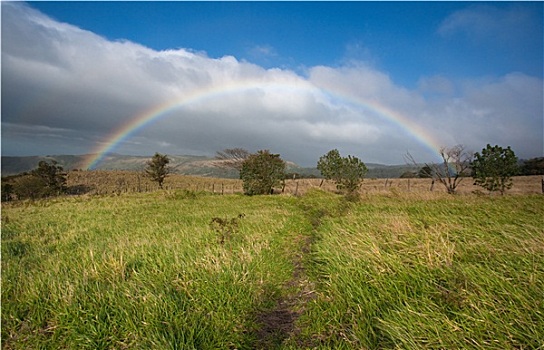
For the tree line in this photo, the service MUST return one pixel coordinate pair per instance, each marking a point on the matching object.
(263, 171)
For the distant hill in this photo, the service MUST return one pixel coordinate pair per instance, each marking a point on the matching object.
(180, 164)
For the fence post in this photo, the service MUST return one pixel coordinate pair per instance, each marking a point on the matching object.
(432, 185)
(542, 184)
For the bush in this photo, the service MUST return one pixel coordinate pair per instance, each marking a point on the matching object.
(47, 180)
(347, 172)
(52, 178)
(494, 167)
(7, 192)
(28, 187)
(533, 166)
(261, 172)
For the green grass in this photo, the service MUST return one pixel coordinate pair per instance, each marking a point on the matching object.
(141, 271)
(444, 273)
(391, 271)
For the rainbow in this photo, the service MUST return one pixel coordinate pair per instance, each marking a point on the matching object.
(149, 116)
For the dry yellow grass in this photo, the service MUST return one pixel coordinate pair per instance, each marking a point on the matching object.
(522, 185)
(109, 182)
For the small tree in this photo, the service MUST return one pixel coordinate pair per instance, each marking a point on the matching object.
(347, 172)
(157, 168)
(50, 177)
(494, 167)
(330, 166)
(261, 172)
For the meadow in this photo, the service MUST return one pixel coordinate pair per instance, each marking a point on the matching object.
(189, 269)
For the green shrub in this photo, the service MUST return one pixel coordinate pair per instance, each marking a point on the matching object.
(261, 172)
(347, 172)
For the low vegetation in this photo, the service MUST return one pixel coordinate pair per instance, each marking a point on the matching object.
(183, 269)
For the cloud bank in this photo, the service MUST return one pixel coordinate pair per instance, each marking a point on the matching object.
(68, 91)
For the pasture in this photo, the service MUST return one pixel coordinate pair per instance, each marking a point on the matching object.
(398, 269)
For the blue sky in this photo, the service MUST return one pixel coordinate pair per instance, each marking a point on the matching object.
(466, 72)
(405, 39)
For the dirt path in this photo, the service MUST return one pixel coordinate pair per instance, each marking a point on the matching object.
(279, 323)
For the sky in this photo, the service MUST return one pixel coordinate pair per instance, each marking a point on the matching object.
(373, 79)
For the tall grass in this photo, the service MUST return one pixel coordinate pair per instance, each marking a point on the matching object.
(395, 270)
(141, 271)
(417, 272)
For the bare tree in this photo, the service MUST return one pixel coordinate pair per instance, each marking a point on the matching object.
(455, 165)
(452, 169)
(231, 158)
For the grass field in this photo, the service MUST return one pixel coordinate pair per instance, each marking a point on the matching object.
(152, 271)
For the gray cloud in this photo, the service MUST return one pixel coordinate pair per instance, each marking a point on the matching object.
(66, 90)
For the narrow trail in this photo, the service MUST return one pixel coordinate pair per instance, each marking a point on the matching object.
(279, 323)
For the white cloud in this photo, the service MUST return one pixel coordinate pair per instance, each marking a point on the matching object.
(68, 90)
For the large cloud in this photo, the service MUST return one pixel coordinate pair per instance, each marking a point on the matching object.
(66, 90)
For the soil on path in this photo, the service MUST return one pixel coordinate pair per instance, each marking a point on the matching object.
(279, 323)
